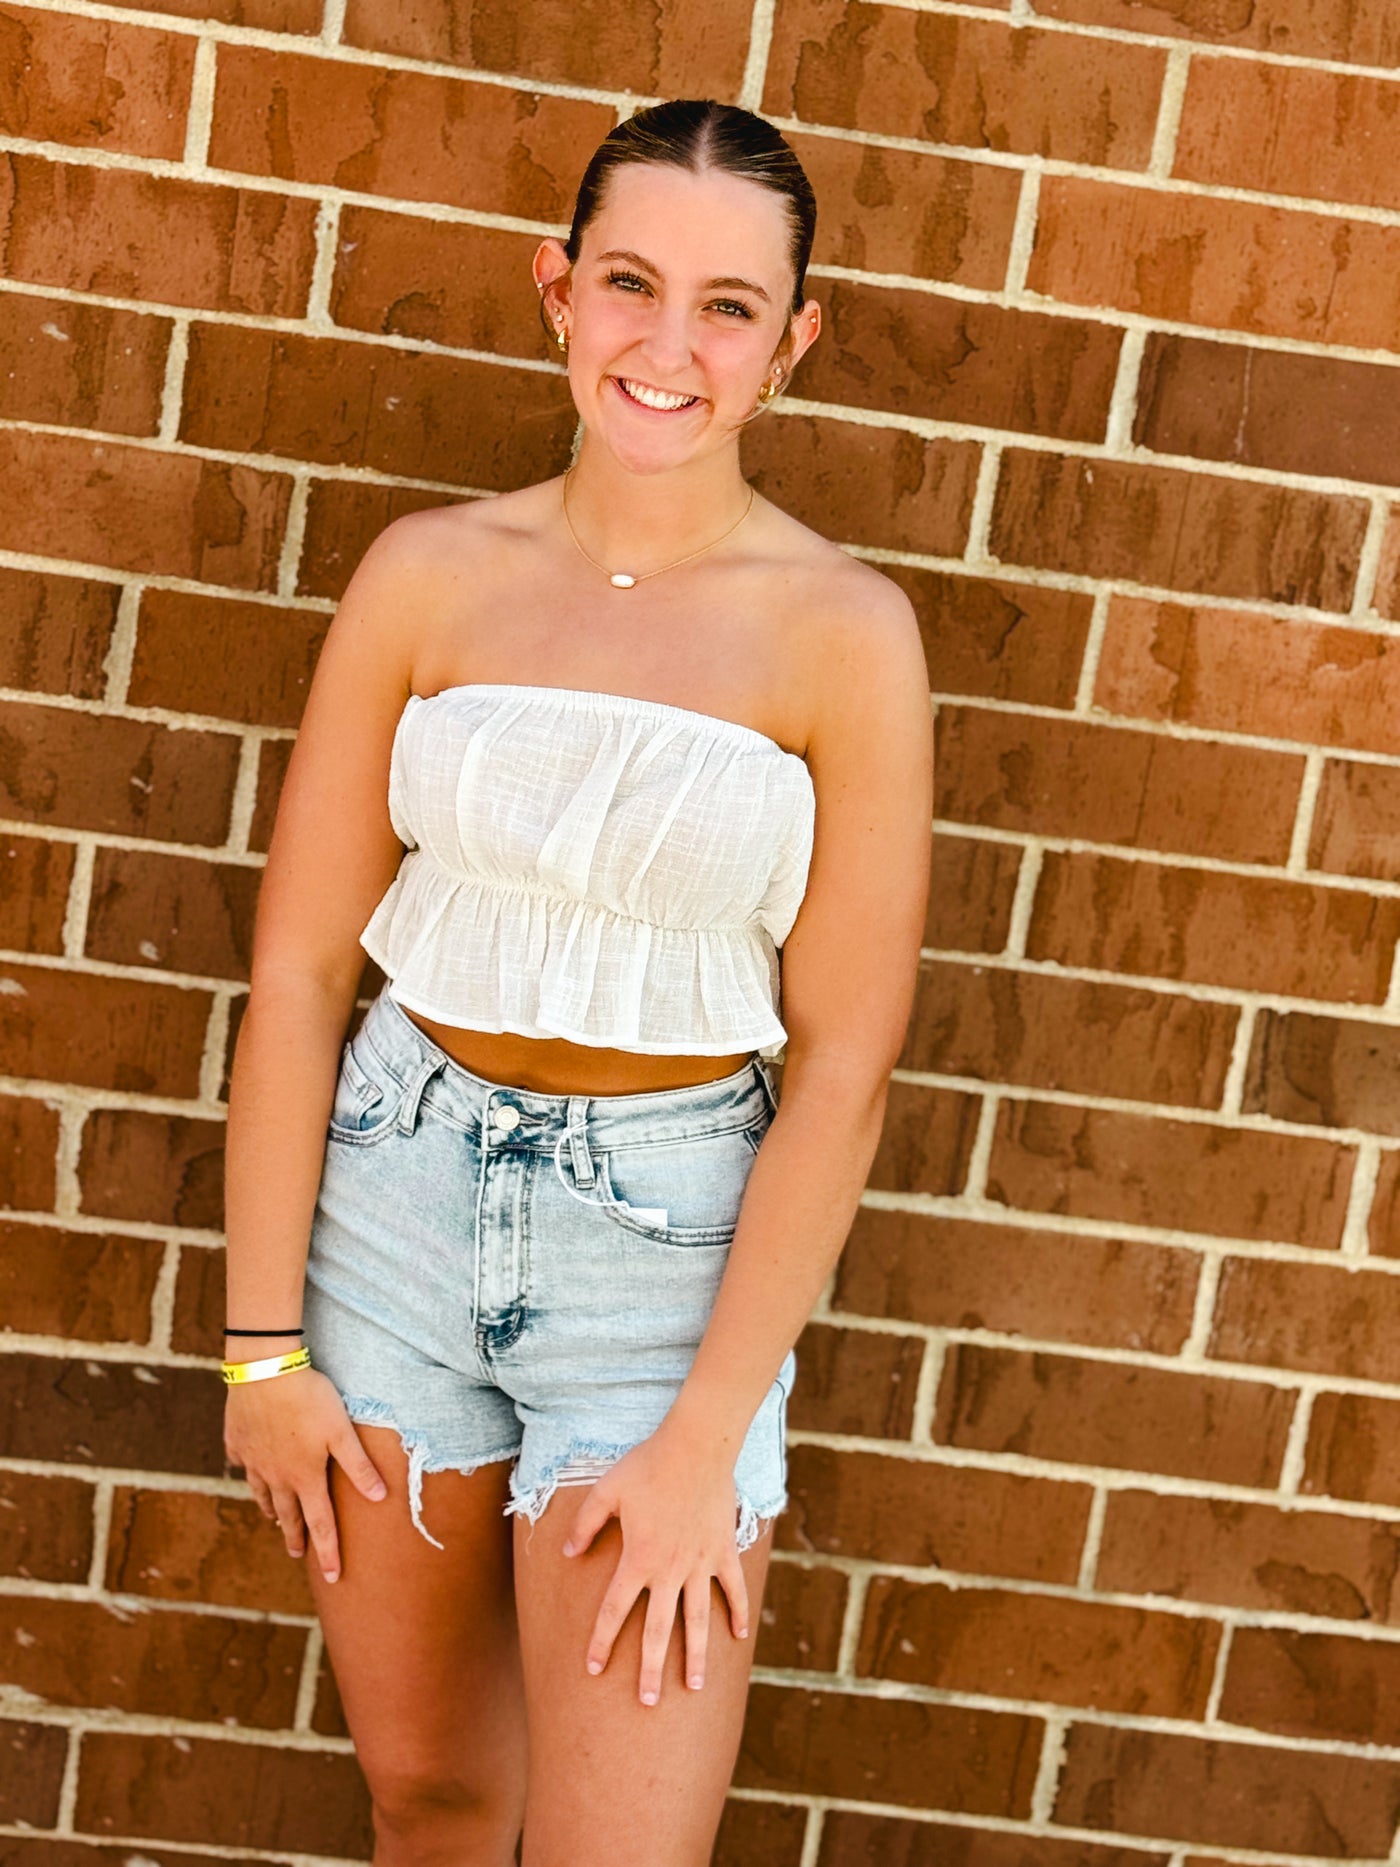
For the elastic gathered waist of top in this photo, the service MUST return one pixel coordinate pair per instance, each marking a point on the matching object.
(457, 1095)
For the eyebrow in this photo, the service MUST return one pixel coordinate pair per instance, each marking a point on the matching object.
(711, 285)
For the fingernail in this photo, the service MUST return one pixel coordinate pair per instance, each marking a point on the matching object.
(379, 1491)
(595, 1666)
(696, 1683)
(648, 1698)
(568, 1549)
(332, 1575)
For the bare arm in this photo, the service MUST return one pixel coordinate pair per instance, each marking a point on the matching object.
(333, 853)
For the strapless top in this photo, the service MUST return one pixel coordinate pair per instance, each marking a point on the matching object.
(590, 866)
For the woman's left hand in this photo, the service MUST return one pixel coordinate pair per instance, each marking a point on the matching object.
(678, 1523)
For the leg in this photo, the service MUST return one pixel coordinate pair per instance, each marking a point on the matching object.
(426, 1654)
(613, 1782)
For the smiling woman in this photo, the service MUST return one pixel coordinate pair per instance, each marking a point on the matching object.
(555, 1224)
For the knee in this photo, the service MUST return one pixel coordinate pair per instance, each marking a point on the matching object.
(424, 1810)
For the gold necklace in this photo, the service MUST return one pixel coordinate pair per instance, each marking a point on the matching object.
(624, 580)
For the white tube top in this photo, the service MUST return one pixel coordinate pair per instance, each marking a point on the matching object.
(614, 871)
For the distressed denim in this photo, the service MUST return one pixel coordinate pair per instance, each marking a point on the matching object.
(500, 1273)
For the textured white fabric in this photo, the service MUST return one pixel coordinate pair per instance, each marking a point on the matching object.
(615, 871)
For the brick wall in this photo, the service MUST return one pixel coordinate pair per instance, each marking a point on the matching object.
(1093, 1553)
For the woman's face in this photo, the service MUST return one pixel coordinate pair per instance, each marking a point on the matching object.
(682, 286)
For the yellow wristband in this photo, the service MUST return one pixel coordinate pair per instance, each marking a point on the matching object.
(235, 1372)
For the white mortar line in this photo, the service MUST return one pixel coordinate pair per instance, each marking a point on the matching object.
(1023, 901)
(1023, 229)
(857, 1589)
(1355, 1234)
(1211, 1715)
(306, 1684)
(1093, 653)
(1093, 1540)
(332, 22)
(1296, 1451)
(200, 120)
(1232, 1096)
(1195, 1349)
(756, 61)
(926, 1389)
(812, 1835)
(1047, 1776)
(980, 519)
(1369, 562)
(975, 1186)
(1169, 112)
(1122, 406)
(1297, 859)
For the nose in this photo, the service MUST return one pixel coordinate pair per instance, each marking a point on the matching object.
(668, 346)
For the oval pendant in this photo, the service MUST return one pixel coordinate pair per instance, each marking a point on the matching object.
(622, 580)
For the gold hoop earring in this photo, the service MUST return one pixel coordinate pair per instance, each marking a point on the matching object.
(561, 338)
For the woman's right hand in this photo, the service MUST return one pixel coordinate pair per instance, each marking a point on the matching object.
(283, 1432)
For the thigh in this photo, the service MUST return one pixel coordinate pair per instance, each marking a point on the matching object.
(613, 1782)
(423, 1641)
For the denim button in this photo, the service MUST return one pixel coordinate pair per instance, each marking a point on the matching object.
(505, 1116)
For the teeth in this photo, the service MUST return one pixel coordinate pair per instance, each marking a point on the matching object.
(653, 398)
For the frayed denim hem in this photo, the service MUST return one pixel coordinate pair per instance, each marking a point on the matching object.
(586, 1462)
(365, 1411)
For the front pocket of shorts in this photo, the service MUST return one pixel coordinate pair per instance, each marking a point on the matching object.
(366, 1100)
(697, 1183)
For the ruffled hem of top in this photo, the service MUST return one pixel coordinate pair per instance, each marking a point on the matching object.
(490, 957)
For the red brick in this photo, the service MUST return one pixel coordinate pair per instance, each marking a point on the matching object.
(962, 1274)
(188, 1546)
(1354, 1448)
(127, 234)
(162, 1663)
(945, 79)
(1284, 129)
(295, 16)
(55, 631)
(418, 137)
(1251, 1556)
(1383, 1220)
(1224, 669)
(77, 1284)
(84, 366)
(139, 1164)
(197, 1326)
(800, 1622)
(106, 1033)
(1313, 1685)
(856, 482)
(250, 662)
(997, 640)
(362, 405)
(111, 1413)
(180, 913)
(1104, 784)
(859, 1381)
(343, 518)
(881, 1750)
(44, 1851)
(972, 886)
(32, 1774)
(1029, 1028)
(446, 282)
(1037, 1647)
(273, 758)
(34, 900)
(45, 1527)
(1233, 1794)
(923, 1514)
(1196, 531)
(1203, 259)
(1325, 1318)
(1201, 925)
(28, 1146)
(94, 771)
(1109, 1413)
(222, 1794)
(662, 54)
(966, 211)
(1387, 597)
(760, 1834)
(1333, 1072)
(143, 509)
(926, 1141)
(902, 348)
(1354, 821)
(94, 84)
(852, 1839)
(1329, 417)
(1364, 30)
(1135, 1169)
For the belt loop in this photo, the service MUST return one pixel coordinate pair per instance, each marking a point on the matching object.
(765, 1076)
(413, 1095)
(576, 1121)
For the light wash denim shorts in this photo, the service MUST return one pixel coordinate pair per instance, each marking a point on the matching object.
(502, 1274)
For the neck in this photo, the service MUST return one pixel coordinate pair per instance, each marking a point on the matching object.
(637, 521)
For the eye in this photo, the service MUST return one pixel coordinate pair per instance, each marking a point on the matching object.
(632, 278)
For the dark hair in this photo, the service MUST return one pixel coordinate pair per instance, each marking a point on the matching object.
(699, 133)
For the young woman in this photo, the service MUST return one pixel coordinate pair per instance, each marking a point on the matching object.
(577, 764)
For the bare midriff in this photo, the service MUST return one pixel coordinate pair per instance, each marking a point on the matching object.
(555, 1066)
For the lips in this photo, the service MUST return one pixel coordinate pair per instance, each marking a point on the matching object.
(646, 407)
